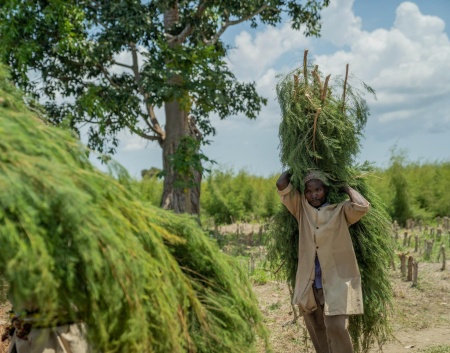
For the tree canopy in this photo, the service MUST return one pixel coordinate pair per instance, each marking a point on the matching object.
(112, 63)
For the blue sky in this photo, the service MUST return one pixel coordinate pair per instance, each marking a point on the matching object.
(400, 48)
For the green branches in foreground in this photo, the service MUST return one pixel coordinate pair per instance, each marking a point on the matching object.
(321, 127)
(78, 245)
(372, 241)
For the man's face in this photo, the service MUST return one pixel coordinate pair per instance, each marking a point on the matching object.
(315, 192)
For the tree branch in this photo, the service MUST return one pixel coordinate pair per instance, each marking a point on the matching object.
(135, 66)
(188, 29)
(123, 65)
(107, 76)
(153, 124)
(345, 88)
(142, 134)
(325, 89)
(229, 23)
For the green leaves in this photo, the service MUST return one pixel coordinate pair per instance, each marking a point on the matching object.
(72, 46)
(187, 160)
(401, 201)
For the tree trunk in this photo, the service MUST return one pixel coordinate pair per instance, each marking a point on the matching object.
(178, 199)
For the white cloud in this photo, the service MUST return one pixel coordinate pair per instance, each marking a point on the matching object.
(340, 25)
(408, 65)
(253, 55)
(396, 115)
(415, 25)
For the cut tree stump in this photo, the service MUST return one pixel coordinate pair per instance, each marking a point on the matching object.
(402, 257)
(442, 252)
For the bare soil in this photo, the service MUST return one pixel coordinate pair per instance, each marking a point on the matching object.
(421, 315)
(4, 322)
(420, 320)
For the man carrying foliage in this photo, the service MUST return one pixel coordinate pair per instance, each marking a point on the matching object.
(328, 281)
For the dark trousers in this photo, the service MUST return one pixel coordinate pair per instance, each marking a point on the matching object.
(329, 334)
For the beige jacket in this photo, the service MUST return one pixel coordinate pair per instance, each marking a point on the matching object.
(59, 339)
(325, 231)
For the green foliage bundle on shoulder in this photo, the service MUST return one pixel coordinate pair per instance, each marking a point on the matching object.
(322, 123)
(321, 127)
(78, 245)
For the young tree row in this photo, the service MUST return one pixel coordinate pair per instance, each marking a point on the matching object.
(409, 190)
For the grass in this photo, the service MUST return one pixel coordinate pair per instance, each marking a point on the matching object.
(274, 306)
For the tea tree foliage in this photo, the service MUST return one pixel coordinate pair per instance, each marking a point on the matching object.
(322, 124)
(228, 197)
(114, 62)
(424, 185)
(81, 245)
(427, 184)
(401, 202)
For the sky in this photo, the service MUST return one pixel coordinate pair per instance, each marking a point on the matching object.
(399, 48)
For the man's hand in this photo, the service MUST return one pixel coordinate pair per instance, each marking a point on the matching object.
(354, 195)
(345, 189)
(284, 180)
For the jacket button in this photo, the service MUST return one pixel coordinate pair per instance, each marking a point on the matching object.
(317, 227)
(317, 247)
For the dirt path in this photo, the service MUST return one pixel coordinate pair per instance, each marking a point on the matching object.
(421, 317)
(411, 341)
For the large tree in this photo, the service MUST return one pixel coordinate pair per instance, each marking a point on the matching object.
(113, 62)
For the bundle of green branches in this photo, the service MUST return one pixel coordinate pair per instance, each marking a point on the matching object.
(78, 245)
(321, 127)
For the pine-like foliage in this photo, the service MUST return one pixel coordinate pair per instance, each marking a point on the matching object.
(322, 123)
(79, 245)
